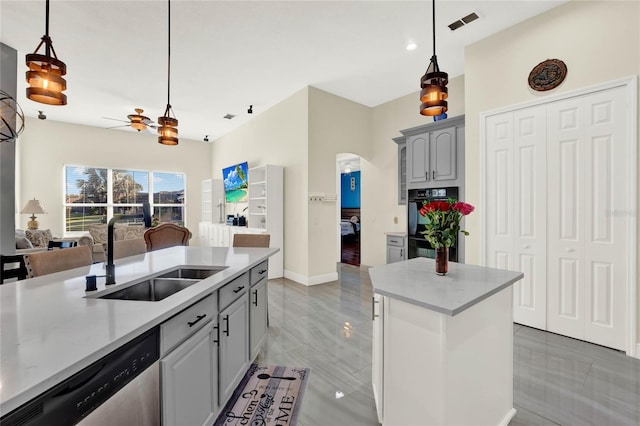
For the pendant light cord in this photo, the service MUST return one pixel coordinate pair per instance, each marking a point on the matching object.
(47, 44)
(433, 14)
(168, 55)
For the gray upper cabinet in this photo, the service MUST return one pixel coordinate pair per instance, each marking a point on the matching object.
(402, 173)
(435, 154)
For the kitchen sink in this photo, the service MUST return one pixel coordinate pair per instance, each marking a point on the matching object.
(151, 290)
(161, 286)
(192, 273)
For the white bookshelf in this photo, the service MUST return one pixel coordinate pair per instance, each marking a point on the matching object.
(266, 210)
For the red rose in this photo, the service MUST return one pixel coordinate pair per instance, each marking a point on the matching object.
(463, 208)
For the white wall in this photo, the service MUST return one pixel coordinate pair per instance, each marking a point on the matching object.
(380, 171)
(599, 41)
(47, 146)
(336, 125)
(277, 136)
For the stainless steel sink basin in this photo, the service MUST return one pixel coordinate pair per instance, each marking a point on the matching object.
(150, 290)
(192, 273)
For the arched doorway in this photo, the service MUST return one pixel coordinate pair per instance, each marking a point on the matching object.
(348, 207)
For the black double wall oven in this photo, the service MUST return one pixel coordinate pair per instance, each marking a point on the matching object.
(417, 246)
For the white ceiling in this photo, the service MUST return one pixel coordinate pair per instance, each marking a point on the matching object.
(227, 55)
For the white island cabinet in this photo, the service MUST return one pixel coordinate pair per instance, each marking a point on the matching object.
(443, 345)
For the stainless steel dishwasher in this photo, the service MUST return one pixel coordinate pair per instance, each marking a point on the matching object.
(121, 388)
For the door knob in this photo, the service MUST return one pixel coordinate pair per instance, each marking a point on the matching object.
(569, 250)
(526, 246)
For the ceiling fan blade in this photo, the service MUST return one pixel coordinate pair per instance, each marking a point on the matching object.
(116, 127)
(115, 119)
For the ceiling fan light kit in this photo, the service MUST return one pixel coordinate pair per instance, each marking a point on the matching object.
(139, 121)
(168, 123)
(46, 83)
(434, 82)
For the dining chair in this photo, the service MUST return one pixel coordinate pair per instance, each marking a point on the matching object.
(130, 247)
(166, 235)
(48, 262)
(251, 240)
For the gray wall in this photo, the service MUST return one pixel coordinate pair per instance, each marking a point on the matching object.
(8, 83)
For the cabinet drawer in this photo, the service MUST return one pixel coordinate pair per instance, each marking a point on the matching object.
(258, 272)
(395, 241)
(233, 290)
(180, 327)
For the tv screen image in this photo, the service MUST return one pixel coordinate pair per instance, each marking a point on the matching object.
(235, 183)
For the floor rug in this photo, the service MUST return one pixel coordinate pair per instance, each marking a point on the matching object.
(268, 395)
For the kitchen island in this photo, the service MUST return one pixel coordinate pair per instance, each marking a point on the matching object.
(50, 330)
(442, 345)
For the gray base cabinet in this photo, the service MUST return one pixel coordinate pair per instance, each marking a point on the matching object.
(395, 248)
(190, 379)
(258, 316)
(234, 346)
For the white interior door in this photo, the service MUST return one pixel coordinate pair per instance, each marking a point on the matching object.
(587, 257)
(516, 206)
(558, 207)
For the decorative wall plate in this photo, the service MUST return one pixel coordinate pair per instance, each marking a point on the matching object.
(547, 75)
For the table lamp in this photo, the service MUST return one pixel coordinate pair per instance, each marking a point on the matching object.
(33, 207)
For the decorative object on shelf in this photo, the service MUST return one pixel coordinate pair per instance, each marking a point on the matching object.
(442, 227)
(33, 207)
(547, 75)
(45, 72)
(11, 116)
(168, 123)
(434, 82)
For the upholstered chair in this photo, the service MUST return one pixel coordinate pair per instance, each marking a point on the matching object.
(48, 262)
(126, 248)
(251, 240)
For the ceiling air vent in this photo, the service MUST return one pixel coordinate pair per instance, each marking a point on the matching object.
(463, 21)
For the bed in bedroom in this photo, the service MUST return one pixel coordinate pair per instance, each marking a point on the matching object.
(350, 224)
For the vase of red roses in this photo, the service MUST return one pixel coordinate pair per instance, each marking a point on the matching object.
(442, 227)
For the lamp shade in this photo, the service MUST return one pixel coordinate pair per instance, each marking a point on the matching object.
(33, 207)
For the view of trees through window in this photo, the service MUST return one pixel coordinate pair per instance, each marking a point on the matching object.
(95, 195)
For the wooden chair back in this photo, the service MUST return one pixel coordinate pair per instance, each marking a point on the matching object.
(130, 247)
(166, 235)
(48, 262)
(251, 240)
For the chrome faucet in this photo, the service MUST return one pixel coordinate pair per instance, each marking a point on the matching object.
(110, 267)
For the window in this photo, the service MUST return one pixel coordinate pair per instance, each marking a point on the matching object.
(95, 195)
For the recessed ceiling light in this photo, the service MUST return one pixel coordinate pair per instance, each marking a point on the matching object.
(411, 46)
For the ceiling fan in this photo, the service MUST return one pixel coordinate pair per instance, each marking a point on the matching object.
(136, 121)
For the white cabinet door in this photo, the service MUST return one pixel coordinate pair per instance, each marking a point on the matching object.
(377, 368)
(587, 250)
(234, 346)
(189, 380)
(258, 316)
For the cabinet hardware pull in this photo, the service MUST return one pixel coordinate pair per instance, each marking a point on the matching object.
(238, 289)
(262, 272)
(255, 293)
(198, 318)
(217, 339)
(401, 254)
(373, 309)
(426, 175)
(434, 174)
(226, 319)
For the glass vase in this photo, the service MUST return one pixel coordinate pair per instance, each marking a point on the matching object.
(442, 261)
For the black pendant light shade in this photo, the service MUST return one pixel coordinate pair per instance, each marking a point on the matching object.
(45, 72)
(168, 123)
(434, 82)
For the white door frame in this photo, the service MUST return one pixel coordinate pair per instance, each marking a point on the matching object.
(631, 86)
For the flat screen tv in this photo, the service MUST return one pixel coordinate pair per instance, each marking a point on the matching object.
(236, 183)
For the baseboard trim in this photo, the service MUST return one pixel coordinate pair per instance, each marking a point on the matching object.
(309, 281)
(510, 415)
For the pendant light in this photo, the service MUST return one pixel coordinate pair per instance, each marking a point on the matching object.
(45, 72)
(168, 123)
(434, 82)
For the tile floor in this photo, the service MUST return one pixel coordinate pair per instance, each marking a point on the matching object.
(557, 380)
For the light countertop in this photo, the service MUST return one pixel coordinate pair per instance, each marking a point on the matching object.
(415, 281)
(49, 330)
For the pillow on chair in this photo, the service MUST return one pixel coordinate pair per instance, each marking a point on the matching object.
(23, 243)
